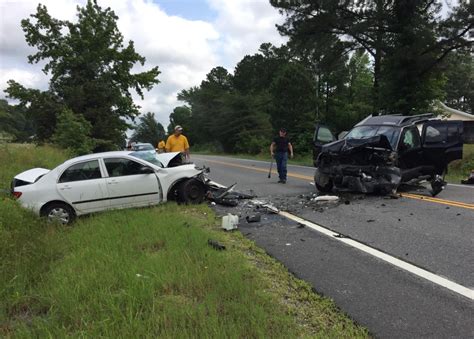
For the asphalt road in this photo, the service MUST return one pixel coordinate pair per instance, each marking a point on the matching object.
(434, 234)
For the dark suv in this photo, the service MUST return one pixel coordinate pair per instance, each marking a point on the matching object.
(382, 152)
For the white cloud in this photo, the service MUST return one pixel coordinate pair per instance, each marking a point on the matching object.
(24, 77)
(245, 25)
(185, 50)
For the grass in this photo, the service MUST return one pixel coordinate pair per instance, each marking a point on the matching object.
(145, 273)
(460, 169)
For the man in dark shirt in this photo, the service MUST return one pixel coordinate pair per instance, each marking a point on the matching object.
(279, 149)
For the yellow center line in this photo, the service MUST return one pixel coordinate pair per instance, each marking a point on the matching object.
(306, 177)
(438, 201)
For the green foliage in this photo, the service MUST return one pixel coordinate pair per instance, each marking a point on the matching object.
(181, 115)
(462, 168)
(406, 39)
(14, 122)
(149, 130)
(73, 133)
(40, 107)
(459, 86)
(95, 83)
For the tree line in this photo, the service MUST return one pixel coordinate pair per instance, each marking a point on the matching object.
(343, 61)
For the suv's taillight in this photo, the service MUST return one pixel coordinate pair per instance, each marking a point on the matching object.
(17, 194)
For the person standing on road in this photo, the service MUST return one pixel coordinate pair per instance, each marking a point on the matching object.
(279, 149)
(177, 142)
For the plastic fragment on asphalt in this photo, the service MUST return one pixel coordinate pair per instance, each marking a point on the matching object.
(261, 204)
(253, 218)
(326, 198)
(229, 222)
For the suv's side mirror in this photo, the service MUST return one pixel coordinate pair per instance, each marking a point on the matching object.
(342, 135)
(322, 135)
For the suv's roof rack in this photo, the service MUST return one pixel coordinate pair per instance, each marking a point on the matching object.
(418, 117)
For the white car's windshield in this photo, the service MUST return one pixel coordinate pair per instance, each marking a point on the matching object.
(364, 132)
(147, 156)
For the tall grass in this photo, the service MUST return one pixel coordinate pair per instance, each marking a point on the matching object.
(145, 273)
(460, 169)
(16, 158)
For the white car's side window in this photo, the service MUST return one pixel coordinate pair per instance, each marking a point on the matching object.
(83, 171)
(118, 167)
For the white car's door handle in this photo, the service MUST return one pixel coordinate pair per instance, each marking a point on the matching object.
(65, 188)
(112, 182)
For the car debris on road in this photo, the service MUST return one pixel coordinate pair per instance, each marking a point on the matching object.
(225, 196)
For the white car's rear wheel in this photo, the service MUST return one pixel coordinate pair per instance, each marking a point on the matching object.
(59, 213)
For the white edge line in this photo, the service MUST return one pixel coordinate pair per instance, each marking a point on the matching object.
(436, 279)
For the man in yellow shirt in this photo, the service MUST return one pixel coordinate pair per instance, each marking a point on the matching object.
(177, 142)
(161, 146)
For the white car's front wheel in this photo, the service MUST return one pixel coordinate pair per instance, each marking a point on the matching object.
(191, 191)
(59, 213)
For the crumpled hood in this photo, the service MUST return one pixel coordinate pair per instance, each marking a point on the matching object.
(31, 175)
(165, 158)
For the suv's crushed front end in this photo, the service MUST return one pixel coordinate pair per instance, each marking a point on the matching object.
(359, 165)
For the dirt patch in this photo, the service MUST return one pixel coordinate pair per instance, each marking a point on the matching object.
(153, 247)
(25, 311)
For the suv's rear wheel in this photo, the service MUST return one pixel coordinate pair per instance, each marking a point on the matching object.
(191, 191)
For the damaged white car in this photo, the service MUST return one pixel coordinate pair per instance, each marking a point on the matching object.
(109, 180)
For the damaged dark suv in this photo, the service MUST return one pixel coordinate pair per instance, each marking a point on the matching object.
(382, 152)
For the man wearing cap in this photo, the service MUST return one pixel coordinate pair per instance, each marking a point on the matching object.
(177, 142)
(279, 149)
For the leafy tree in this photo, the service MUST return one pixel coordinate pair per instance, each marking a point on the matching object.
(359, 95)
(14, 123)
(293, 104)
(181, 115)
(40, 107)
(406, 39)
(91, 70)
(255, 73)
(459, 86)
(206, 102)
(72, 133)
(149, 130)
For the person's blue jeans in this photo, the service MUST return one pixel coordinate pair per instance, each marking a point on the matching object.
(281, 159)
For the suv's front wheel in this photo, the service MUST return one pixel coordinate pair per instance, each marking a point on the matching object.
(322, 182)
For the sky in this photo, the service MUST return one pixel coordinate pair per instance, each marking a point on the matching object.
(184, 38)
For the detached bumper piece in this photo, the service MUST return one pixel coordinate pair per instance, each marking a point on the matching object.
(225, 196)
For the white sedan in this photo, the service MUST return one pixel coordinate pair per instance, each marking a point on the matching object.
(108, 180)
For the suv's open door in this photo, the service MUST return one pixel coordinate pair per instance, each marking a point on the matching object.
(322, 135)
(442, 143)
